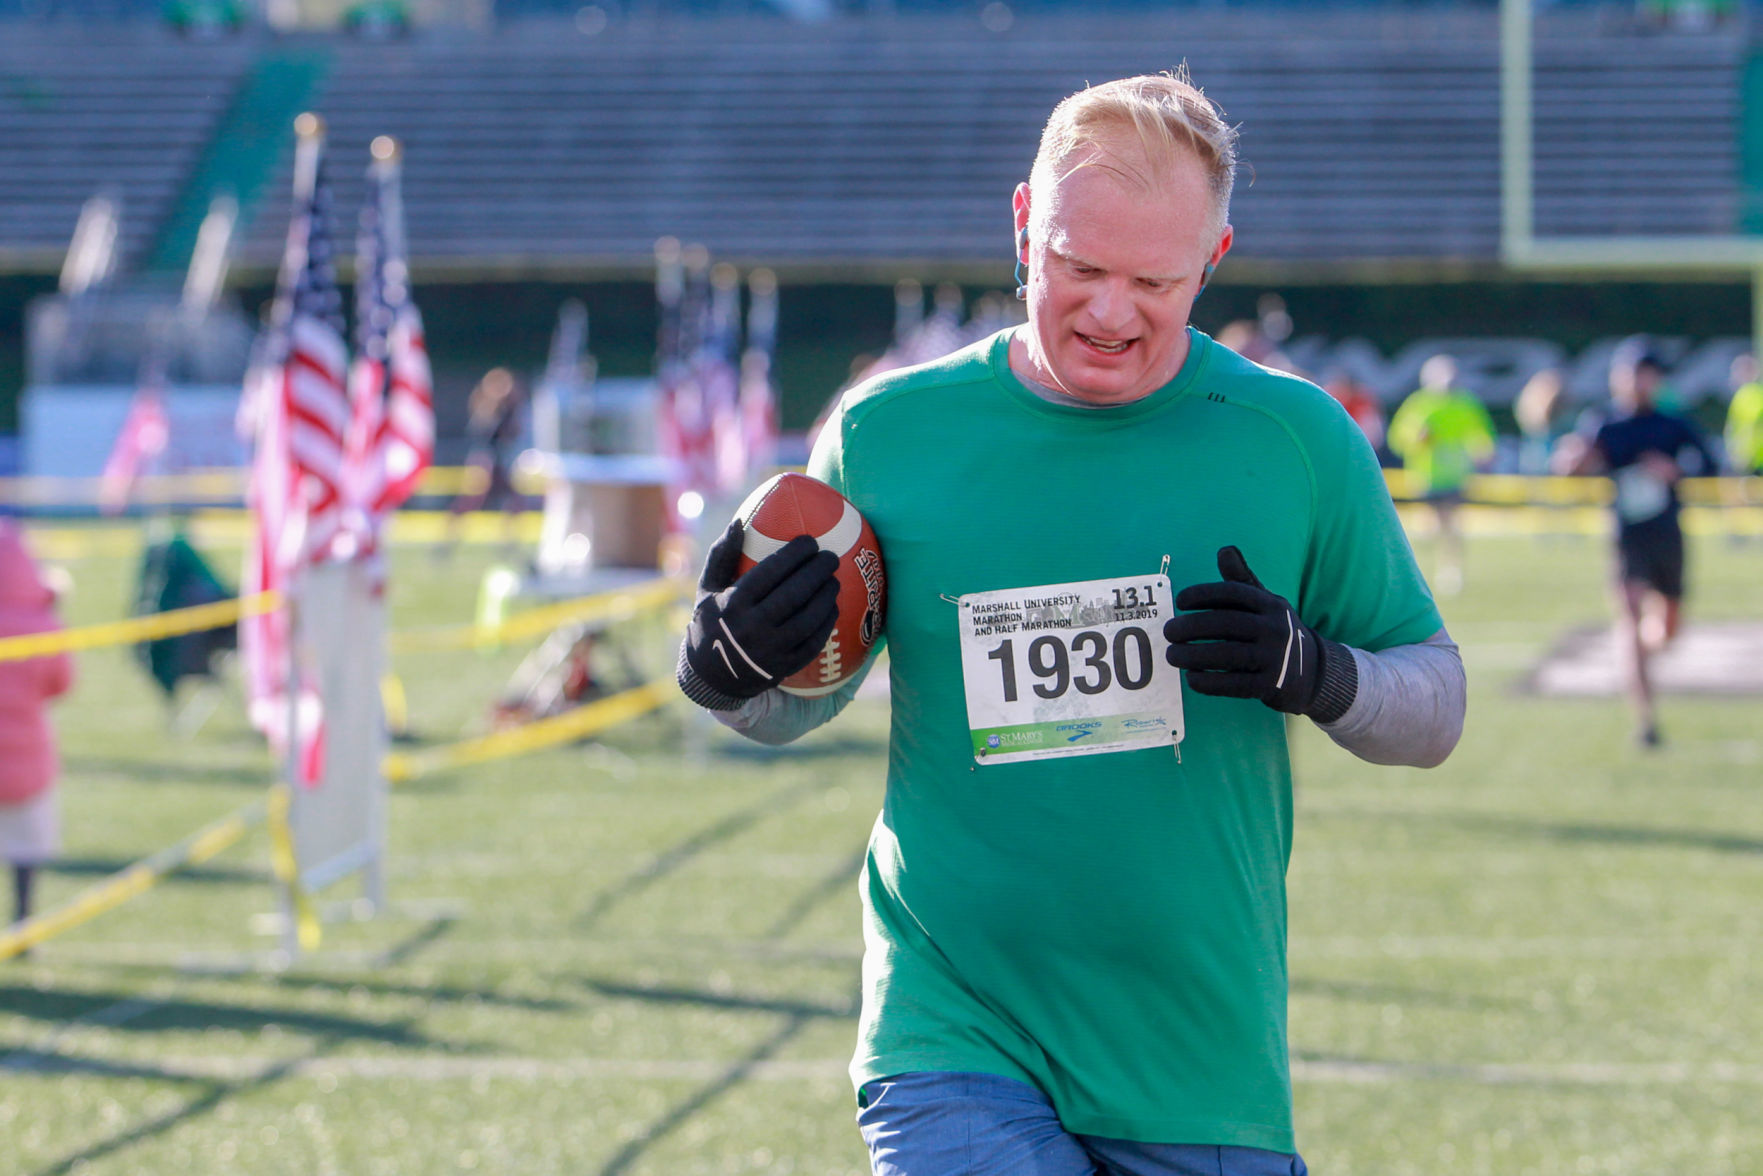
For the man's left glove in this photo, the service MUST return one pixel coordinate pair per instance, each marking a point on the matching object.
(749, 634)
(1247, 642)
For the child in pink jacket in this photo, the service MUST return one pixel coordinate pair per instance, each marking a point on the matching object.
(29, 829)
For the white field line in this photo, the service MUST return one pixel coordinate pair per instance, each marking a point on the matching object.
(550, 950)
(529, 1069)
(546, 949)
(1507, 947)
(1520, 1073)
(240, 1067)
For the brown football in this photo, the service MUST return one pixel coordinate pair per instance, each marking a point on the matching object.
(793, 504)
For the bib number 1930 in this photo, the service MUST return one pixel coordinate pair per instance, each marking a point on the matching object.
(1100, 663)
(1068, 669)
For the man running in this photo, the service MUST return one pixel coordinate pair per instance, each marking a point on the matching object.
(1646, 452)
(1118, 556)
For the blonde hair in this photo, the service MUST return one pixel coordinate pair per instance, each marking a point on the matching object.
(1167, 113)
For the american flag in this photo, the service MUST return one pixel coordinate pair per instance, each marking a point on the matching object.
(687, 421)
(295, 406)
(264, 637)
(308, 325)
(391, 392)
(140, 442)
(758, 396)
(720, 379)
(718, 408)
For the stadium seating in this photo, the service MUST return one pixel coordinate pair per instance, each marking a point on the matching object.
(123, 107)
(1368, 133)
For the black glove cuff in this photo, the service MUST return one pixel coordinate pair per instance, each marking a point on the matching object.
(700, 691)
(1338, 683)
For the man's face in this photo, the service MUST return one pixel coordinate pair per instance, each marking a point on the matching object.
(1114, 267)
(1635, 386)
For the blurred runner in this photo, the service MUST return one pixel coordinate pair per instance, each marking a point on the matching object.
(1361, 404)
(1744, 419)
(1646, 452)
(1442, 434)
(494, 432)
(1541, 411)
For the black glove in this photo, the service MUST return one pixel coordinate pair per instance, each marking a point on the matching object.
(1247, 642)
(747, 635)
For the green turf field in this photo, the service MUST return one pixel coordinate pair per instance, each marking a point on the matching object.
(641, 956)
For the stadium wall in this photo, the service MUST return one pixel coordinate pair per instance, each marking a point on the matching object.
(824, 327)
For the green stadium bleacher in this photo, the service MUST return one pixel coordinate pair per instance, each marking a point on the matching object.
(1370, 134)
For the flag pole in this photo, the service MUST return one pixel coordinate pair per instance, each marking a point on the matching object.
(308, 147)
(386, 170)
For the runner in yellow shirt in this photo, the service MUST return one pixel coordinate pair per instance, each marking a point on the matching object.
(1744, 419)
(1442, 434)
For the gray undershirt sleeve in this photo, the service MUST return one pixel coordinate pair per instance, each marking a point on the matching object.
(778, 717)
(1409, 706)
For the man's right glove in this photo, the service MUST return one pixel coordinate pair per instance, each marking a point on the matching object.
(749, 634)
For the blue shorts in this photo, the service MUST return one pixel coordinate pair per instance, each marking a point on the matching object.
(949, 1124)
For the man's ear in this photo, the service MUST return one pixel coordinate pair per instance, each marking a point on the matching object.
(1225, 240)
(1019, 206)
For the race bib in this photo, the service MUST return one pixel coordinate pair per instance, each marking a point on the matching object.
(1640, 494)
(1069, 669)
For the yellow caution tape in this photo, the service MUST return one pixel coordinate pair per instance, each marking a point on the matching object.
(1541, 490)
(196, 485)
(233, 528)
(137, 629)
(282, 859)
(219, 484)
(224, 485)
(394, 704)
(1722, 491)
(1518, 490)
(1510, 489)
(576, 724)
(134, 880)
(618, 605)
(608, 606)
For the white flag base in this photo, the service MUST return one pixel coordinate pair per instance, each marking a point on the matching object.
(338, 826)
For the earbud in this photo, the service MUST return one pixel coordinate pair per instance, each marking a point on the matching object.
(1021, 269)
(1205, 276)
